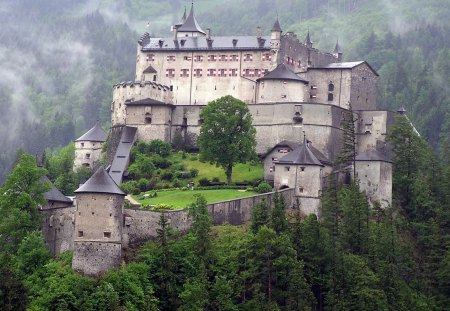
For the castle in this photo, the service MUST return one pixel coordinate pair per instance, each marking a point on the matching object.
(296, 94)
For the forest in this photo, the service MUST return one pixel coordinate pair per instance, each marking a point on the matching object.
(353, 257)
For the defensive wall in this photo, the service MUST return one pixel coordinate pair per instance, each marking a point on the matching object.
(140, 225)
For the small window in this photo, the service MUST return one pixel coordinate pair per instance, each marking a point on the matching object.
(148, 118)
(154, 78)
(287, 168)
(300, 189)
(80, 234)
(107, 234)
(330, 97)
(88, 155)
(82, 144)
(283, 96)
(302, 168)
(330, 87)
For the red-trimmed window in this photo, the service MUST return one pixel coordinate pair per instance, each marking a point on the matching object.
(198, 58)
(170, 58)
(267, 57)
(234, 58)
(187, 58)
(212, 58)
(233, 72)
(211, 72)
(150, 58)
(170, 73)
(223, 58)
(248, 57)
(222, 72)
(198, 72)
(184, 73)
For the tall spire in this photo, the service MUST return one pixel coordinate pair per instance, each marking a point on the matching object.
(308, 41)
(190, 24)
(337, 48)
(183, 19)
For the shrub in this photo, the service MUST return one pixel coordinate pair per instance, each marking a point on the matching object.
(167, 175)
(130, 187)
(194, 157)
(193, 172)
(263, 188)
(160, 162)
(203, 182)
(143, 184)
(176, 183)
(142, 168)
(216, 179)
(160, 147)
(162, 185)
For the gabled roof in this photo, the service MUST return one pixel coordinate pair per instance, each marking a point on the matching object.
(94, 134)
(54, 194)
(191, 24)
(302, 155)
(100, 182)
(282, 73)
(293, 145)
(150, 69)
(276, 26)
(348, 65)
(337, 48)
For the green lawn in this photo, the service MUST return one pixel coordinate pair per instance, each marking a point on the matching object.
(180, 199)
(241, 172)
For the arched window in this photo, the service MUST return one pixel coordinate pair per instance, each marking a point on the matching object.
(330, 87)
(330, 97)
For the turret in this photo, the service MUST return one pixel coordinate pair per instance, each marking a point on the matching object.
(98, 225)
(88, 147)
(275, 43)
(308, 41)
(190, 27)
(338, 51)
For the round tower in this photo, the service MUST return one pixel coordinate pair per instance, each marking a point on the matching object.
(98, 225)
(88, 147)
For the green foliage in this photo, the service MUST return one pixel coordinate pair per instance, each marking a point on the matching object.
(260, 216)
(31, 254)
(227, 135)
(263, 188)
(278, 221)
(142, 167)
(160, 148)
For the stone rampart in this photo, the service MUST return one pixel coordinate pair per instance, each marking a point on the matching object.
(141, 225)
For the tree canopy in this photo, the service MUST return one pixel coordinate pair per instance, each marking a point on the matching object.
(227, 135)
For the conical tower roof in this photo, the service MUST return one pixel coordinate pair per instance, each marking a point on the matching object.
(191, 24)
(281, 72)
(301, 155)
(337, 48)
(308, 39)
(54, 194)
(276, 26)
(100, 182)
(94, 134)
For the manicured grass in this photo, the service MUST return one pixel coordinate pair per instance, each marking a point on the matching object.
(180, 198)
(241, 172)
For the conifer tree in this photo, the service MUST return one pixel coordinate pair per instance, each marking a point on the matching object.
(260, 216)
(278, 220)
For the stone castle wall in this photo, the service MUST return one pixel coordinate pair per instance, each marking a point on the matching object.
(58, 227)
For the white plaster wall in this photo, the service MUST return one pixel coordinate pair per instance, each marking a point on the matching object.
(271, 91)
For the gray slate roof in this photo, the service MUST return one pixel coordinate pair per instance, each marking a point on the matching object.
(224, 43)
(191, 24)
(94, 134)
(276, 26)
(142, 84)
(54, 194)
(347, 65)
(301, 155)
(147, 102)
(150, 69)
(100, 182)
(122, 156)
(293, 145)
(337, 48)
(282, 73)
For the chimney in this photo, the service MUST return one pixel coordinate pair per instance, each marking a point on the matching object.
(208, 33)
(161, 42)
(258, 32)
(234, 42)
(175, 32)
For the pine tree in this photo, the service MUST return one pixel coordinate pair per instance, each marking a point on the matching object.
(260, 216)
(278, 220)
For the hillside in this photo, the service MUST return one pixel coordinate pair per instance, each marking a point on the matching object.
(59, 59)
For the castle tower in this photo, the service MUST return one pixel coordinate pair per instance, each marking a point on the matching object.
(309, 45)
(281, 85)
(190, 27)
(300, 169)
(275, 44)
(338, 51)
(98, 225)
(88, 147)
